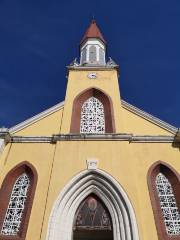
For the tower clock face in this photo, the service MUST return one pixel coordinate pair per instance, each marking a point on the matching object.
(92, 75)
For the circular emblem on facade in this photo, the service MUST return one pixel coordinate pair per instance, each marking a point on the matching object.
(92, 75)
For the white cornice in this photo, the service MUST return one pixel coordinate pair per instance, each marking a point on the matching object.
(95, 137)
(36, 118)
(149, 117)
(97, 67)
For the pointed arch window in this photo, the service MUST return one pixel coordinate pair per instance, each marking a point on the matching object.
(92, 214)
(16, 198)
(92, 112)
(13, 217)
(164, 189)
(92, 116)
(168, 204)
(92, 220)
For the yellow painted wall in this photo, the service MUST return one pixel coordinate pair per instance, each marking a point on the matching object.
(78, 81)
(127, 162)
(140, 126)
(57, 163)
(48, 125)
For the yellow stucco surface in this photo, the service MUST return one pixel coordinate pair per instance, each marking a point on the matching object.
(78, 81)
(57, 164)
(46, 126)
(140, 126)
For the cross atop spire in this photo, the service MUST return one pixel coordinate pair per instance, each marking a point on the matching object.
(93, 32)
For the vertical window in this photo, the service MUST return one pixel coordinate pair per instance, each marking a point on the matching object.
(168, 205)
(14, 213)
(92, 116)
(92, 112)
(101, 56)
(83, 57)
(164, 189)
(92, 54)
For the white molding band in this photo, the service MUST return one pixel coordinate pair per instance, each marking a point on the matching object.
(93, 137)
(108, 190)
(22, 139)
(2, 145)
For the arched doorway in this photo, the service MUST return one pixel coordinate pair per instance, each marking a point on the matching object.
(92, 220)
(106, 188)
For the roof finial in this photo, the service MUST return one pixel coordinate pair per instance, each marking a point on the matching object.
(93, 18)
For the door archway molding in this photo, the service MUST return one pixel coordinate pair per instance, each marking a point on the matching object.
(108, 190)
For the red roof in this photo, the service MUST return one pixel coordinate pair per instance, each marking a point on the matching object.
(93, 32)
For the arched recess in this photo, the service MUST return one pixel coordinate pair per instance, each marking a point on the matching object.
(103, 98)
(92, 220)
(174, 179)
(111, 194)
(5, 195)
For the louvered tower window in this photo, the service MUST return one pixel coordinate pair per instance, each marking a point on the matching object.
(168, 204)
(14, 213)
(92, 116)
(92, 54)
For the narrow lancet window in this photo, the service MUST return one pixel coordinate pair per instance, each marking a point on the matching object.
(168, 204)
(14, 213)
(92, 116)
(92, 54)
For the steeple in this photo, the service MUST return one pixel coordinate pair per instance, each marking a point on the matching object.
(93, 47)
(93, 32)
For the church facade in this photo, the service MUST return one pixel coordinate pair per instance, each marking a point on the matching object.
(92, 167)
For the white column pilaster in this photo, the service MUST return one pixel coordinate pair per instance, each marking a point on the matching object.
(2, 145)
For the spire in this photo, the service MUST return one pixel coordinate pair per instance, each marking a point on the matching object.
(93, 32)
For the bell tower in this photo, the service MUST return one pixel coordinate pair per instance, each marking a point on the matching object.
(92, 103)
(93, 47)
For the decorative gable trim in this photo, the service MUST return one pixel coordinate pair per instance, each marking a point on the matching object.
(36, 118)
(149, 117)
(125, 105)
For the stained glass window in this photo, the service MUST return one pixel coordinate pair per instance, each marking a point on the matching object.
(168, 204)
(92, 214)
(14, 213)
(92, 116)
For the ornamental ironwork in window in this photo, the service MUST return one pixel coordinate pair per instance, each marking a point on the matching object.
(14, 213)
(168, 204)
(92, 116)
(92, 215)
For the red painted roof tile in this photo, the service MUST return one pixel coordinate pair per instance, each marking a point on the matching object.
(93, 32)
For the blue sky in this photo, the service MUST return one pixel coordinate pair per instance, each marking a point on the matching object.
(38, 39)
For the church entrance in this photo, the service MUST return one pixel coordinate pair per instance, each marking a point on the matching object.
(92, 221)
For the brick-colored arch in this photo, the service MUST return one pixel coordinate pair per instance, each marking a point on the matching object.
(103, 98)
(174, 179)
(5, 194)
